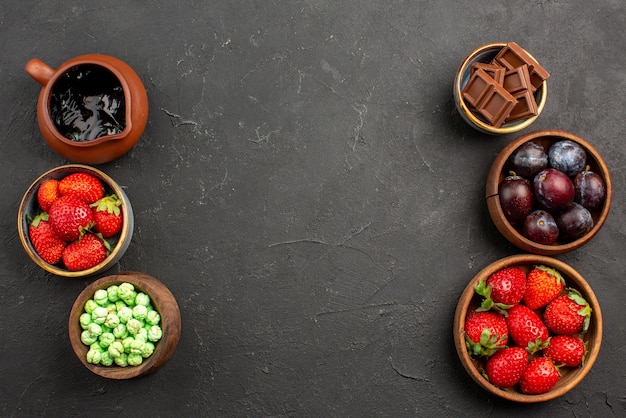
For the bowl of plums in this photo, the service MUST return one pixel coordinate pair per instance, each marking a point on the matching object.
(549, 192)
(528, 328)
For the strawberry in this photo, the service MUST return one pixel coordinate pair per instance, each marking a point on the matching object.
(539, 376)
(87, 251)
(542, 285)
(108, 215)
(45, 241)
(568, 314)
(70, 217)
(84, 186)
(485, 332)
(47, 193)
(566, 350)
(506, 366)
(526, 328)
(502, 289)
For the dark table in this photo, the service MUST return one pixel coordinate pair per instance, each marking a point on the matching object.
(307, 190)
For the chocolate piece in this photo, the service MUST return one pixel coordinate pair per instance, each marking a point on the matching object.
(526, 106)
(496, 105)
(496, 72)
(513, 56)
(477, 87)
(517, 79)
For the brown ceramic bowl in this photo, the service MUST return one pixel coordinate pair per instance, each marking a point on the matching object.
(570, 377)
(485, 54)
(513, 233)
(163, 302)
(29, 209)
(104, 148)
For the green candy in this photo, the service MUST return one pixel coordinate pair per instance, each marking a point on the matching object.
(106, 339)
(88, 338)
(142, 299)
(101, 297)
(99, 315)
(153, 317)
(94, 329)
(112, 320)
(134, 359)
(125, 314)
(148, 349)
(140, 312)
(121, 360)
(116, 349)
(106, 359)
(133, 326)
(85, 320)
(155, 333)
(90, 305)
(94, 356)
(120, 331)
(112, 293)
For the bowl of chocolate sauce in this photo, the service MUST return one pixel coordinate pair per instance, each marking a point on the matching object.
(92, 109)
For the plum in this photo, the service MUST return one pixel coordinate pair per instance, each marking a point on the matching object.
(516, 198)
(567, 156)
(528, 159)
(574, 222)
(590, 189)
(540, 227)
(554, 190)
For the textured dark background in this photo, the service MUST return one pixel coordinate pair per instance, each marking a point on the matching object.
(308, 192)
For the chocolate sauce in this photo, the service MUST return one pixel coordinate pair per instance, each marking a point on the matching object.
(87, 102)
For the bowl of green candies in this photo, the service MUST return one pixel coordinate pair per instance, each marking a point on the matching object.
(125, 325)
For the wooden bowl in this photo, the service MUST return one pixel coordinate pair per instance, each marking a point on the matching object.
(513, 233)
(570, 377)
(162, 300)
(485, 54)
(29, 209)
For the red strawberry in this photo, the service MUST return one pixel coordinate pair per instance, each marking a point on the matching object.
(508, 285)
(485, 332)
(89, 250)
(526, 328)
(506, 366)
(108, 215)
(83, 186)
(539, 376)
(566, 350)
(542, 285)
(47, 193)
(70, 217)
(45, 241)
(502, 289)
(568, 314)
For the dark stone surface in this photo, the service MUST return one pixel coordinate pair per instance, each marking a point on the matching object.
(308, 192)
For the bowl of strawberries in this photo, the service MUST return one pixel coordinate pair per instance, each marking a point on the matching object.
(75, 221)
(528, 328)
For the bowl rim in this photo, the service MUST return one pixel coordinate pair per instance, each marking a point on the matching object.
(495, 209)
(471, 117)
(31, 192)
(468, 294)
(163, 301)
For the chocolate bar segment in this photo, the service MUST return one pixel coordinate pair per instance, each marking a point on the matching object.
(517, 79)
(513, 56)
(497, 72)
(497, 105)
(477, 87)
(525, 107)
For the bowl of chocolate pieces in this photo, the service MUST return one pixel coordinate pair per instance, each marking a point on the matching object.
(500, 88)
